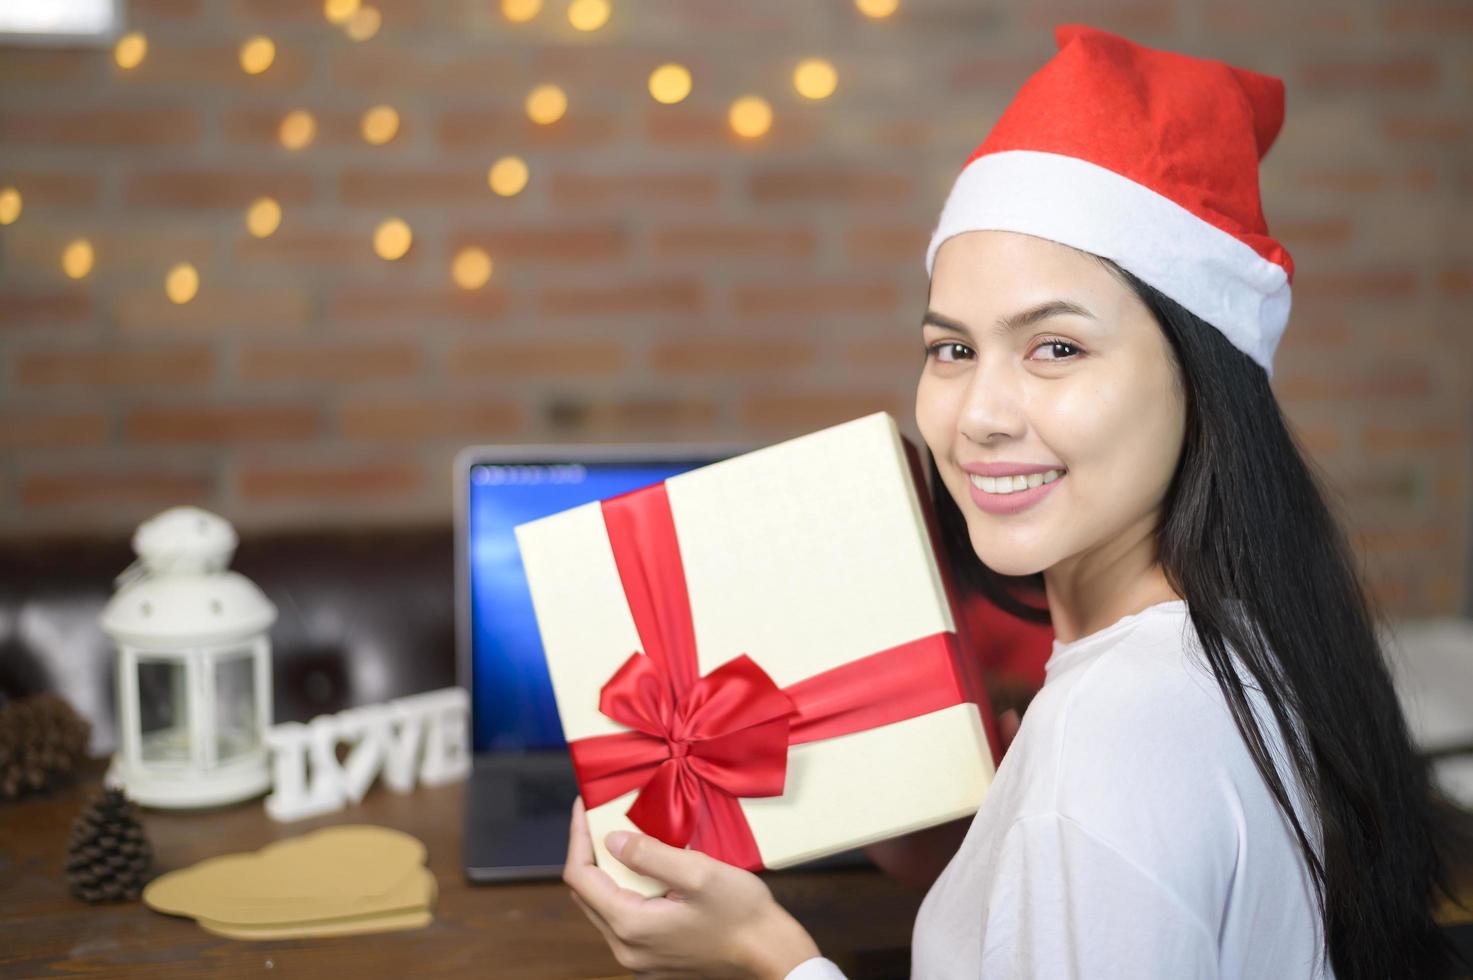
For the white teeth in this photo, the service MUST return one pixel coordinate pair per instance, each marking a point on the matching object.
(1012, 484)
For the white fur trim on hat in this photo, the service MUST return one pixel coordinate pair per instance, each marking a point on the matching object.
(1077, 203)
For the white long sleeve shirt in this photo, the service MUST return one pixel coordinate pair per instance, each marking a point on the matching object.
(1127, 833)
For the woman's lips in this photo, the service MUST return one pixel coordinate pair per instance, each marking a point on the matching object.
(1010, 503)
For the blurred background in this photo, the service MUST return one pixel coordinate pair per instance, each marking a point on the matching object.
(282, 259)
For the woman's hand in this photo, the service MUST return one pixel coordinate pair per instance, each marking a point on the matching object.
(717, 921)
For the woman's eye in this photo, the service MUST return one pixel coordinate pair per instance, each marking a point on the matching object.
(1057, 350)
(935, 350)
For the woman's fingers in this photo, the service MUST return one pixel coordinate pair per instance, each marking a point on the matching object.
(684, 870)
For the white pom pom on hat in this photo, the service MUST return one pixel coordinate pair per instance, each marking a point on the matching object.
(1150, 159)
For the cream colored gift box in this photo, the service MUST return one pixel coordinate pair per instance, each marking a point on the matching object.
(804, 555)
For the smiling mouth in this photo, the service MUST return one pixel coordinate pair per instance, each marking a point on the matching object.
(1003, 485)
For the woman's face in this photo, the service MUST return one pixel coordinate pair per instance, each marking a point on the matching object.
(1043, 370)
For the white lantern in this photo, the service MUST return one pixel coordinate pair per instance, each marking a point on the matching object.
(194, 667)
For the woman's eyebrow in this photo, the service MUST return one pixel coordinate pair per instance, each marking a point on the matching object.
(1017, 321)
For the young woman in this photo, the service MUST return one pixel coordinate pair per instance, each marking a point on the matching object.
(1216, 779)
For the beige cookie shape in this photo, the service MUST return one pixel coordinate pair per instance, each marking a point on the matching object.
(329, 873)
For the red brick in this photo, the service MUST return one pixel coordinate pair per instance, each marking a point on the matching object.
(1369, 283)
(32, 428)
(411, 306)
(1319, 440)
(815, 298)
(991, 72)
(52, 187)
(37, 248)
(703, 127)
(395, 70)
(34, 309)
(1428, 437)
(336, 362)
(540, 358)
(113, 127)
(725, 241)
(578, 190)
(806, 411)
(1348, 386)
(499, 129)
(294, 246)
(215, 188)
(112, 486)
(1404, 73)
(887, 243)
(1129, 18)
(398, 13)
(375, 188)
(419, 419)
(830, 186)
(46, 66)
(1295, 232)
(731, 355)
(222, 424)
(567, 242)
(215, 307)
(902, 350)
(1297, 20)
(1455, 281)
(260, 126)
(171, 367)
(1438, 20)
(1353, 179)
(332, 482)
(648, 296)
(620, 417)
(204, 64)
(146, 10)
(1452, 130)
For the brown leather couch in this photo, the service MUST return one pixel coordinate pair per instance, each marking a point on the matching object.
(362, 616)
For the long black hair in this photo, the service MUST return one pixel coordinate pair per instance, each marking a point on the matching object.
(1246, 529)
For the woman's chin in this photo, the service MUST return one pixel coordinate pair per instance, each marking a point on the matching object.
(1005, 559)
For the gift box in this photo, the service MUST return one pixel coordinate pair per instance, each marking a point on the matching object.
(759, 658)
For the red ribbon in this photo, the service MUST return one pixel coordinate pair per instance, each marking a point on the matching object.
(698, 743)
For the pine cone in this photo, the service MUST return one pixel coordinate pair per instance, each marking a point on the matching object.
(109, 858)
(42, 741)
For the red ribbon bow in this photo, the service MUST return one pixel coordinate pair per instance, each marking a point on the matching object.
(698, 743)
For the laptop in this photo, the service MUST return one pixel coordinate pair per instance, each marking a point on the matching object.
(521, 789)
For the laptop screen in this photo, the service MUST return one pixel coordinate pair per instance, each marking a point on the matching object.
(511, 691)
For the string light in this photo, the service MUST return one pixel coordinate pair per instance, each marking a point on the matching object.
(546, 104)
(364, 24)
(10, 205)
(670, 83)
(815, 78)
(76, 258)
(471, 268)
(750, 116)
(257, 54)
(392, 239)
(130, 50)
(297, 129)
(507, 176)
(263, 217)
(339, 11)
(588, 15)
(520, 11)
(380, 124)
(182, 283)
(877, 8)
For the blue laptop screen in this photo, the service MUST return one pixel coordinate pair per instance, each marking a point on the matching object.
(511, 691)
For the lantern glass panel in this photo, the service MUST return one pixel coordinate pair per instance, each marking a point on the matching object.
(235, 705)
(163, 712)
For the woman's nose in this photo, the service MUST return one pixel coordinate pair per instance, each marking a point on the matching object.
(993, 406)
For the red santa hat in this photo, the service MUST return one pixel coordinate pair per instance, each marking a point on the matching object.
(1148, 158)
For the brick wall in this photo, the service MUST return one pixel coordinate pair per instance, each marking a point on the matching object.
(660, 277)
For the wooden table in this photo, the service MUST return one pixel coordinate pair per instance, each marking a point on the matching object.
(859, 917)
